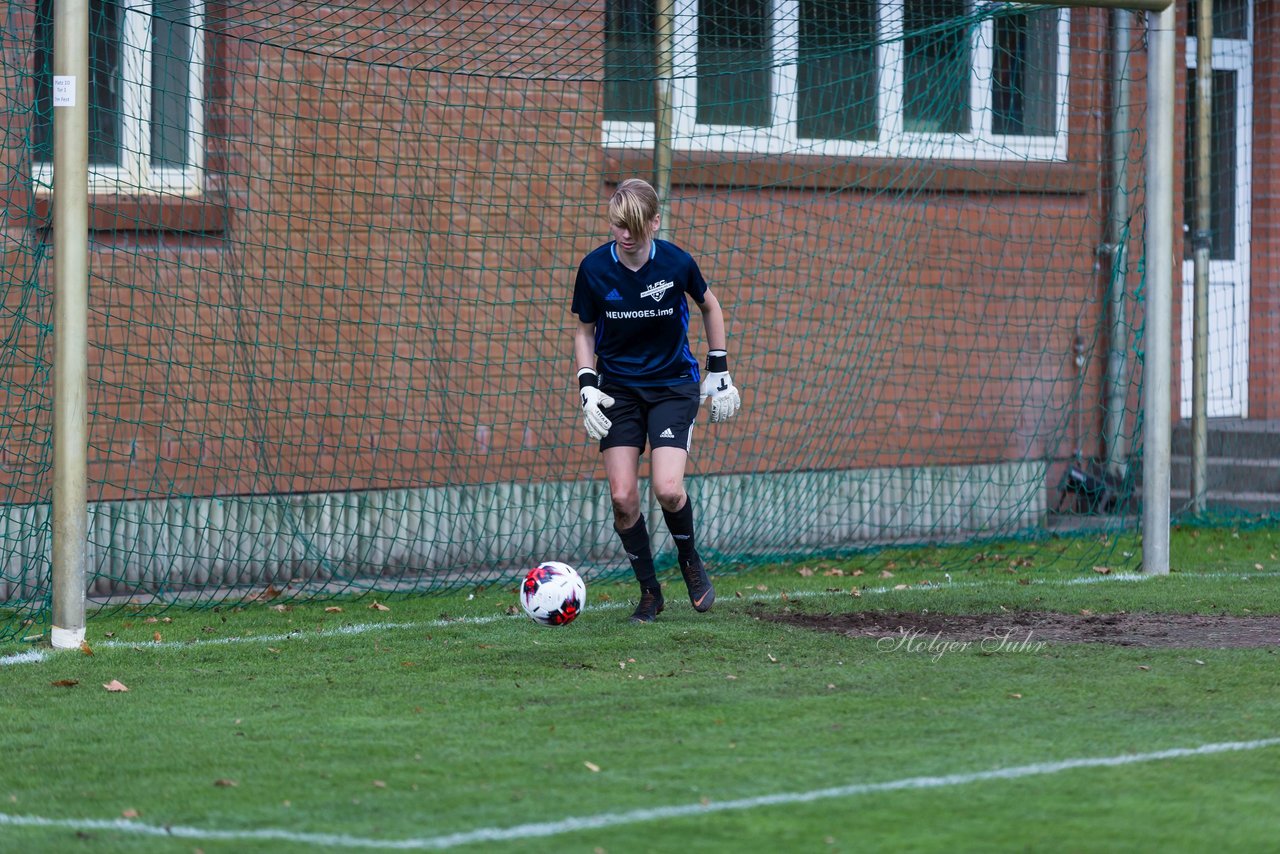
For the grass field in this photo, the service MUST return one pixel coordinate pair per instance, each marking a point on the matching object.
(447, 722)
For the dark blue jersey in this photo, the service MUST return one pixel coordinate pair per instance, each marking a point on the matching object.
(641, 318)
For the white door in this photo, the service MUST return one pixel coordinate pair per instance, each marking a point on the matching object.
(1230, 163)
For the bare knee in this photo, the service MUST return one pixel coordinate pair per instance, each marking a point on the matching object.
(670, 494)
(626, 508)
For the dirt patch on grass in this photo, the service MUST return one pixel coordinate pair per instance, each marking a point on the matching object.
(1120, 629)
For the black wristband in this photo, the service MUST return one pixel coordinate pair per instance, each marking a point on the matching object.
(717, 362)
(587, 377)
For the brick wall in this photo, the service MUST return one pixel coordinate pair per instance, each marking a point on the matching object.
(1264, 297)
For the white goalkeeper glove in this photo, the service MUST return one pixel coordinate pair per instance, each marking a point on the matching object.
(593, 401)
(718, 385)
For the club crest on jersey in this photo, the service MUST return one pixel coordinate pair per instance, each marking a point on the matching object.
(657, 290)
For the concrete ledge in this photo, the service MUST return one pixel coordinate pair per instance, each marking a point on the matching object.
(433, 538)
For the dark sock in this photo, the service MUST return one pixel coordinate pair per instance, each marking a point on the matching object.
(680, 524)
(636, 542)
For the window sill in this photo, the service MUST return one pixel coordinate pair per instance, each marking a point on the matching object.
(150, 214)
(807, 172)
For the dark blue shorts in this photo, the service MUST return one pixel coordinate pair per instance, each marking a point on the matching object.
(663, 416)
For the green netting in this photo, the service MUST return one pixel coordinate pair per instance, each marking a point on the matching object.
(333, 248)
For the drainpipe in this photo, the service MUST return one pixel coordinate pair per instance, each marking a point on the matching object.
(663, 128)
(664, 110)
(1201, 243)
(1115, 384)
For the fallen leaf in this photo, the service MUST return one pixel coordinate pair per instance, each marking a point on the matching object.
(115, 685)
(884, 573)
(155, 636)
(379, 784)
(272, 649)
(270, 593)
(1102, 570)
(901, 586)
(1144, 667)
(65, 683)
(333, 609)
(1015, 696)
(129, 813)
(805, 571)
(85, 648)
(858, 572)
(834, 572)
(224, 783)
(378, 606)
(592, 767)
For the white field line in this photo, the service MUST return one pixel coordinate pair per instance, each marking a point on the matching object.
(600, 821)
(34, 656)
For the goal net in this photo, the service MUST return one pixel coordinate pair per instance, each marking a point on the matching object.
(332, 251)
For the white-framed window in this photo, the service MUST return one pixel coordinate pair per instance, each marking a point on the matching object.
(876, 78)
(146, 96)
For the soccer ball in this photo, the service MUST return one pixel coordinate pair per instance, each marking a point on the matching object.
(553, 593)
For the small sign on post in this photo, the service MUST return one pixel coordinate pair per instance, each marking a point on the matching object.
(64, 90)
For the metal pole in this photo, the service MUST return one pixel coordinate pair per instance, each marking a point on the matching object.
(1161, 35)
(1201, 241)
(1118, 235)
(70, 317)
(664, 109)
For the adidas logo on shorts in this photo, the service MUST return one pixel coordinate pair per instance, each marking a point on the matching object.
(666, 434)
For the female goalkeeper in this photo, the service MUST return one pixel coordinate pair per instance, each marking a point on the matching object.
(634, 361)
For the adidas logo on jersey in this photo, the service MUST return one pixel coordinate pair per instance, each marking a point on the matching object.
(666, 434)
(614, 296)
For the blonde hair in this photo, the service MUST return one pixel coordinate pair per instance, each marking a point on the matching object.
(633, 206)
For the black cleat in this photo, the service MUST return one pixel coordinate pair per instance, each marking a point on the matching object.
(650, 606)
(701, 593)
